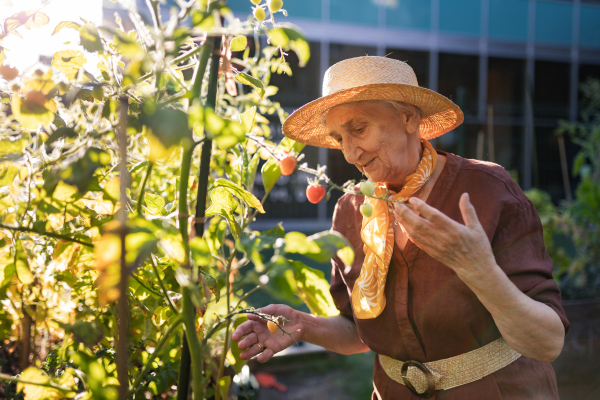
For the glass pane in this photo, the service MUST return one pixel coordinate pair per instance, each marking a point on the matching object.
(589, 33)
(304, 85)
(240, 6)
(506, 86)
(418, 60)
(339, 52)
(353, 11)
(409, 14)
(459, 73)
(553, 22)
(508, 19)
(551, 87)
(460, 16)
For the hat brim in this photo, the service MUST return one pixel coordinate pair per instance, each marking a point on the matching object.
(438, 113)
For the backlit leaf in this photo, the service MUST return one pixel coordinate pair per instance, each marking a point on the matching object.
(90, 39)
(313, 289)
(246, 79)
(36, 392)
(30, 115)
(154, 204)
(239, 43)
(65, 24)
(69, 62)
(240, 193)
(287, 39)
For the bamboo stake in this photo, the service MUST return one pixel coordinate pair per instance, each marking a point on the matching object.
(480, 139)
(490, 122)
(564, 167)
(122, 305)
(213, 46)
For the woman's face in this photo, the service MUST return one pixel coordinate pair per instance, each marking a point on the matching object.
(380, 141)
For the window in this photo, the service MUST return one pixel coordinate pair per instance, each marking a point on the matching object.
(459, 74)
(551, 90)
(508, 19)
(506, 79)
(339, 52)
(553, 22)
(409, 14)
(354, 11)
(418, 60)
(461, 17)
(589, 26)
(304, 85)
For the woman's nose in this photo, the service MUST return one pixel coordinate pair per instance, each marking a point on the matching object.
(352, 151)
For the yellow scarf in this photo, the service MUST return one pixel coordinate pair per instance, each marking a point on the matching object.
(368, 295)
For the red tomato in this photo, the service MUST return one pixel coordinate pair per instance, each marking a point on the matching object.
(315, 193)
(287, 165)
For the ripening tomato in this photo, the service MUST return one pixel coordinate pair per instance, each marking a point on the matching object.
(366, 210)
(36, 97)
(8, 73)
(259, 13)
(272, 326)
(287, 165)
(315, 193)
(367, 188)
(275, 5)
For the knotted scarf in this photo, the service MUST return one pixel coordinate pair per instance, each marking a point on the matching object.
(377, 233)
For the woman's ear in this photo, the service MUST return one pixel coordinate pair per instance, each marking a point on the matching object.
(412, 122)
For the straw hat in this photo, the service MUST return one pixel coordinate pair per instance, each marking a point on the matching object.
(371, 78)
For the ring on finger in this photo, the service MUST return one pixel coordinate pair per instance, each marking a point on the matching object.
(260, 346)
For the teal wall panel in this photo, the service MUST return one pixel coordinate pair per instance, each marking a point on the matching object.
(362, 12)
(460, 17)
(409, 14)
(508, 19)
(553, 22)
(589, 28)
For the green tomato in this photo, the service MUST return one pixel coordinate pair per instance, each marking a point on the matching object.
(275, 5)
(367, 188)
(366, 210)
(259, 13)
(256, 2)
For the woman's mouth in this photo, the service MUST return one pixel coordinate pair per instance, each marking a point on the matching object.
(368, 165)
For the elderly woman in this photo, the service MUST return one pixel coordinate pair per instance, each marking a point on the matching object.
(451, 285)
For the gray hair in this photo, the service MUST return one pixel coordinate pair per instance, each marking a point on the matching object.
(394, 107)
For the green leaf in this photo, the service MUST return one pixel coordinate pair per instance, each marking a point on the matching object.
(200, 251)
(240, 193)
(249, 174)
(253, 243)
(287, 39)
(321, 246)
(212, 285)
(30, 115)
(224, 204)
(154, 204)
(64, 132)
(81, 172)
(246, 79)
(69, 62)
(88, 333)
(224, 383)
(8, 146)
(35, 392)
(65, 24)
(8, 173)
(22, 265)
(168, 125)
(247, 118)
(313, 289)
(239, 43)
(236, 351)
(297, 242)
(90, 39)
(282, 282)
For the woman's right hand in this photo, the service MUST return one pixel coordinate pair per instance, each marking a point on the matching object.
(255, 331)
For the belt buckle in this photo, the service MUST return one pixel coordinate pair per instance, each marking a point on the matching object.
(430, 378)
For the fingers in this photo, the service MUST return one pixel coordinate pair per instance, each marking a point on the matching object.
(468, 211)
(252, 351)
(249, 340)
(243, 330)
(412, 223)
(431, 214)
(265, 355)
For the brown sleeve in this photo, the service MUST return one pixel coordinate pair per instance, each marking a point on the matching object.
(519, 250)
(344, 222)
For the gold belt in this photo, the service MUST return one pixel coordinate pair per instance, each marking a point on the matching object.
(424, 379)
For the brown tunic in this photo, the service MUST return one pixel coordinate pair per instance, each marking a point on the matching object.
(430, 313)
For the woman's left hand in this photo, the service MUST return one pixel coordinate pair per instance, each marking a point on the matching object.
(465, 248)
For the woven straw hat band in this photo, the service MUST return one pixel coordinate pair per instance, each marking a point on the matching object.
(349, 74)
(371, 78)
